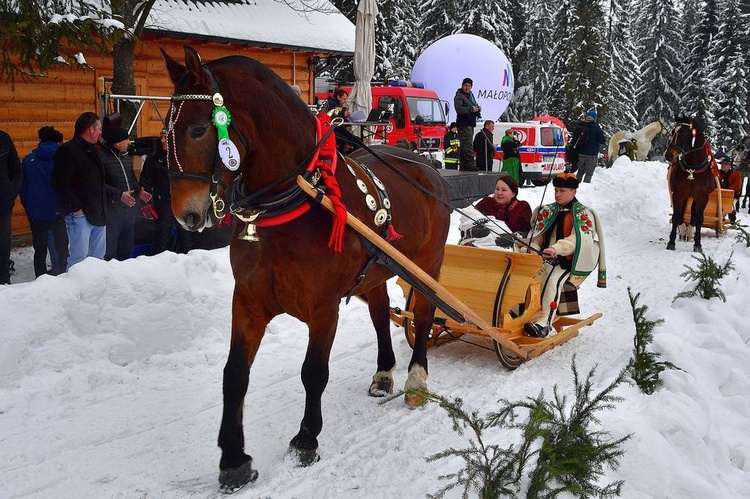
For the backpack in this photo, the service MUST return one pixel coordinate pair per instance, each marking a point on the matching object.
(580, 136)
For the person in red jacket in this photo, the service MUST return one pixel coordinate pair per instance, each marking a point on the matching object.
(503, 206)
(730, 178)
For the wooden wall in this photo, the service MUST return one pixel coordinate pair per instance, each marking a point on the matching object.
(60, 97)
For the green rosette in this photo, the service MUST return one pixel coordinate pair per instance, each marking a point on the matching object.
(221, 120)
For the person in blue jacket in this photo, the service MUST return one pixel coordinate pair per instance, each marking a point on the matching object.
(40, 202)
(588, 151)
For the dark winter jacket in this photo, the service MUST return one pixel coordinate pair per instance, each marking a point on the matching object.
(78, 180)
(118, 175)
(38, 198)
(596, 139)
(484, 149)
(11, 174)
(516, 214)
(154, 176)
(463, 103)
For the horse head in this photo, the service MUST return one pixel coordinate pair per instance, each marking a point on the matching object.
(687, 143)
(230, 128)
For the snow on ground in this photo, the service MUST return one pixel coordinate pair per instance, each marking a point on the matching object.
(110, 375)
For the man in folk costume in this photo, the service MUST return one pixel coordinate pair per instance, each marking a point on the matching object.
(570, 237)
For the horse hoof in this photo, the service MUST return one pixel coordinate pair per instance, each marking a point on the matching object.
(233, 479)
(303, 457)
(670, 246)
(697, 248)
(382, 385)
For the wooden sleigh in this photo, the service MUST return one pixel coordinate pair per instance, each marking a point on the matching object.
(713, 214)
(492, 283)
(481, 286)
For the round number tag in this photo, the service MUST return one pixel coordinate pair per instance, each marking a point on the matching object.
(229, 154)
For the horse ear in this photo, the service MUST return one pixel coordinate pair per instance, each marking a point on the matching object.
(195, 67)
(175, 69)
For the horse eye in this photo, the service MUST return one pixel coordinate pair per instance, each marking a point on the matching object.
(197, 132)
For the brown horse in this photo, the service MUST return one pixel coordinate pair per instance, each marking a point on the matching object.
(692, 174)
(287, 266)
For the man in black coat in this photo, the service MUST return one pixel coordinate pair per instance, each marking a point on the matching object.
(11, 175)
(123, 193)
(467, 113)
(484, 146)
(78, 180)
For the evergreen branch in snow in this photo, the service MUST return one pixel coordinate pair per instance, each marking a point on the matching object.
(707, 277)
(644, 367)
(560, 442)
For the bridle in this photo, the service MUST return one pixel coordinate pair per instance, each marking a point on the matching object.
(214, 180)
(681, 160)
(252, 208)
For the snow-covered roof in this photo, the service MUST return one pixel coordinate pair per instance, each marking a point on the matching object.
(272, 23)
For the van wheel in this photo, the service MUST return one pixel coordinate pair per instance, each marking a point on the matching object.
(540, 183)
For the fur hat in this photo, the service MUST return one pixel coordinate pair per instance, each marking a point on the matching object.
(467, 80)
(510, 182)
(116, 134)
(49, 134)
(566, 179)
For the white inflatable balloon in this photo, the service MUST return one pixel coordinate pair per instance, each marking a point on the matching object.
(444, 64)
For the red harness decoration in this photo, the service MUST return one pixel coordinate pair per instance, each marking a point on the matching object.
(714, 166)
(325, 160)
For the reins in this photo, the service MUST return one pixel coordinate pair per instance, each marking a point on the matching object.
(430, 193)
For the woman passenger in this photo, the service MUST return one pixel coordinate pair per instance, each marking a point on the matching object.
(504, 205)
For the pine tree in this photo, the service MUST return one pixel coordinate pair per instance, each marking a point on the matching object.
(583, 80)
(625, 77)
(531, 61)
(699, 21)
(730, 91)
(660, 69)
(440, 18)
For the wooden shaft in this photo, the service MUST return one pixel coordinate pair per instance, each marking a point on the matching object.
(414, 270)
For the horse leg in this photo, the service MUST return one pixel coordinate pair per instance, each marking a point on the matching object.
(678, 216)
(382, 381)
(673, 233)
(696, 221)
(304, 446)
(235, 466)
(424, 314)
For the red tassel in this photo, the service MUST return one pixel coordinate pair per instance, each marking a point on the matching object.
(333, 191)
(226, 221)
(392, 234)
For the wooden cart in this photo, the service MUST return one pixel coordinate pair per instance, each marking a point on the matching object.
(492, 283)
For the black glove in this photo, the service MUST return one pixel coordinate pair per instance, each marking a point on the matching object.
(504, 240)
(477, 232)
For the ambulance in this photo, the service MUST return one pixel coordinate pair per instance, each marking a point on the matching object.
(542, 149)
